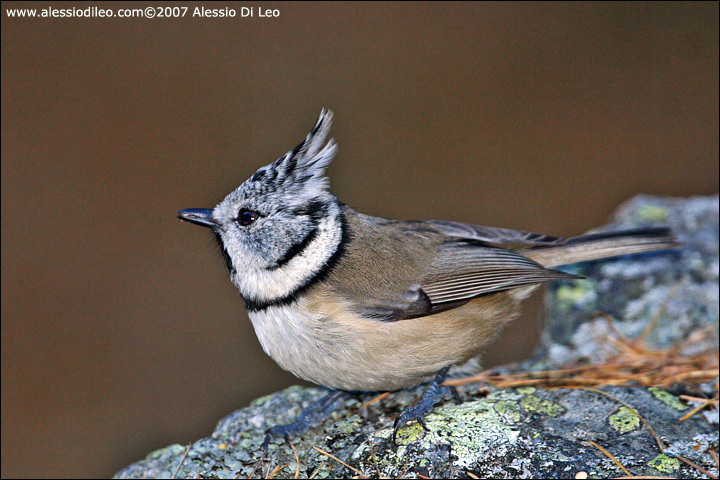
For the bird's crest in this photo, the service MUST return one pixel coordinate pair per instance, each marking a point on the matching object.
(302, 169)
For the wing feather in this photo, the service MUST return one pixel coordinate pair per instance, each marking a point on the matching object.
(492, 235)
(467, 269)
(454, 263)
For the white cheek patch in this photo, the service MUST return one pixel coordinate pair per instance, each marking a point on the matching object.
(262, 285)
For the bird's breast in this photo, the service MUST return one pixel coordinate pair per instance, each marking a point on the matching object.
(321, 339)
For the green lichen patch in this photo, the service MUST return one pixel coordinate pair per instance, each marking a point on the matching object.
(509, 395)
(509, 410)
(534, 404)
(625, 420)
(665, 464)
(470, 428)
(668, 398)
(408, 434)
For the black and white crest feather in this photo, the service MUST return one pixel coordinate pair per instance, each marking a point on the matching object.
(302, 169)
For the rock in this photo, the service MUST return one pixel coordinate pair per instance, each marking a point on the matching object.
(524, 432)
(677, 289)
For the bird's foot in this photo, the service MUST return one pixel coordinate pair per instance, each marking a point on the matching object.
(313, 414)
(434, 393)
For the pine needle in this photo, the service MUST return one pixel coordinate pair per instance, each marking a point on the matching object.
(362, 475)
(610, 456)
(699, 407)
(182, 460)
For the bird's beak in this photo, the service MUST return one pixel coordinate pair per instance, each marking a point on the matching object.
(198, 216)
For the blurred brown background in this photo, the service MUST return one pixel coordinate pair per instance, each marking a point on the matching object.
(121, 332)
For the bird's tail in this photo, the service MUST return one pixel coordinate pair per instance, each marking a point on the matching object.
(595, 246)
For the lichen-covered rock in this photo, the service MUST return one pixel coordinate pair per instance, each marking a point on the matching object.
(522, 432)
(677, 289)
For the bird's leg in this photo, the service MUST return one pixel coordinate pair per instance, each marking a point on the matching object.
(434, 393)
(313, 414)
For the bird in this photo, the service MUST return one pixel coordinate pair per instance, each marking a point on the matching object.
(357, 303)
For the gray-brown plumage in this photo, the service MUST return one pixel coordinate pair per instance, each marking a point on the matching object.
(371, 327)
(360, 303)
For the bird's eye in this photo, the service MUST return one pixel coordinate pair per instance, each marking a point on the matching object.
(246, 217)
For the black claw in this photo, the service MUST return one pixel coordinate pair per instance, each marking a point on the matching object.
(422, 424)
(455, 394)
(266, 443)
(434, 393)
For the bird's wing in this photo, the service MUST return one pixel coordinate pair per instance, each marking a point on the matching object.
(468, 268)
(493, 235)
(461, 271)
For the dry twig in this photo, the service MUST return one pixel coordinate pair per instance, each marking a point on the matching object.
(362, 475)
(610, 456)
(182, 460)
